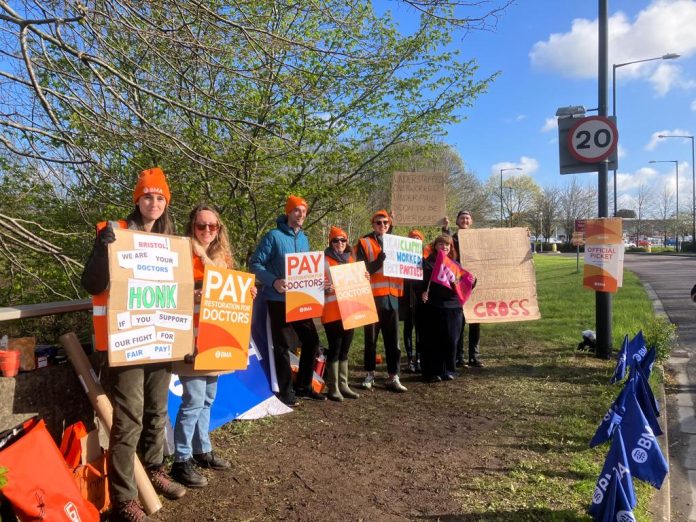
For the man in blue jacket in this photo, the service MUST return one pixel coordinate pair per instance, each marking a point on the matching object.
(268, 264)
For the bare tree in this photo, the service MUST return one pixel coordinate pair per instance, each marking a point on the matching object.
(576, 202)
(665, 208)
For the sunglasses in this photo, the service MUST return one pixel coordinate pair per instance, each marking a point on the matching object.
(213, 227)
(339, 240)
(381, 222)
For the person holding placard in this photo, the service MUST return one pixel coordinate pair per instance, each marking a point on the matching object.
(338, 252)
(386, 291)
(268, 264)
(192, 446)
(140, 392)
(409, 304)
(442, 318)
(465, 221)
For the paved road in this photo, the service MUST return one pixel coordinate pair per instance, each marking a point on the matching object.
(671, 278)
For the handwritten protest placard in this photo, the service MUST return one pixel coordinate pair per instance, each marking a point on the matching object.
(404, 257)
(604, 252)
(353, 294)
(150, 309)
(224, 327)
(304, 278)
(505, 279)
(418, 198)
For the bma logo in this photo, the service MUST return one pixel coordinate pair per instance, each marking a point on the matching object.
(625, 516)
(72, 512)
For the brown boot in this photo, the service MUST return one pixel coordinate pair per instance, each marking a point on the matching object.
(128, 511)
(164, 485)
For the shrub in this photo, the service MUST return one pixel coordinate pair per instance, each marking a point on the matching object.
(661, 334)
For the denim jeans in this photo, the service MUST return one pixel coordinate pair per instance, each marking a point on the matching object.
(191, 431)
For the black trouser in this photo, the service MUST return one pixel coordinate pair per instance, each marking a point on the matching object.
(444, 329)
(411, 324)
(389, 325)
(339, 341)
(474, 338)
(287, 336)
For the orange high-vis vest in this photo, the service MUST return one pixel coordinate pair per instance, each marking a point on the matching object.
(331, 311)
(381, 284)
(100, 302)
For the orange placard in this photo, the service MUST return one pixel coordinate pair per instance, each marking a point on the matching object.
(224, 328)
(603, 271)
(304, 278)
(353, 294)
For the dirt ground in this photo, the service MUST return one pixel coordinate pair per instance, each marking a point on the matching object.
(384, 456)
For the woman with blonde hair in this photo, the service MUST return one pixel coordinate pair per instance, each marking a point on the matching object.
(192, 446)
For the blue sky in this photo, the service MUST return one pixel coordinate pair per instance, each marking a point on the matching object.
(546, 51)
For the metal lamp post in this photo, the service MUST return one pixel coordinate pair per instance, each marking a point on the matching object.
(670, 56)
(501, 192)
(693, 185)
(676, 166)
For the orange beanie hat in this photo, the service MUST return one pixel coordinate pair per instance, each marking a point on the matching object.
(293, 202)
(152, 181)
(381, 213)
(416, 234)
(336, 232)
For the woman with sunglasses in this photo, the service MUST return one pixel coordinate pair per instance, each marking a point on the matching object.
(192, 446)
(337, 253)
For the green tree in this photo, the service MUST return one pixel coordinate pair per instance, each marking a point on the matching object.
(519, 196)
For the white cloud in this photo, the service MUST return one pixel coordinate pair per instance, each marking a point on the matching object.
(626, 182)
(520, 117)
(655, 140)
(693, 105)
(527, 165)
(662, 27)
(552, 124)
(620, 151)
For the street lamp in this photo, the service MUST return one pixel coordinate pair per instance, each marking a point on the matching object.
(676, 166)
(501, 192)
(670, 56)
(693, 185)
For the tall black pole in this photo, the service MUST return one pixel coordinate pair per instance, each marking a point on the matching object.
(603, 299)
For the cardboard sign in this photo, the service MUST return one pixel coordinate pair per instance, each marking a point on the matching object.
(604, 252)
(304, 277)
(506, 284)
(224, 326)
(418, 198)
(353, 294)
(150, 310)
(404, 257)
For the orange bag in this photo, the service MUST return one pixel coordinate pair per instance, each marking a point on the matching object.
(39, 483)
(91, 479)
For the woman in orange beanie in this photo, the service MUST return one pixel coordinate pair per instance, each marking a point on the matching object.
(140, 392)
(337, 253)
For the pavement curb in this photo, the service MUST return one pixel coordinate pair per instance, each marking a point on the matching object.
(660, 505)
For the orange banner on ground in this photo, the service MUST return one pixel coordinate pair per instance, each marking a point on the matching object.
(224, 328)
(353, 294)
(304, 279)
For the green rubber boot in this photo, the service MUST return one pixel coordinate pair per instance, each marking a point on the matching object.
(332, 382)
(343, 381)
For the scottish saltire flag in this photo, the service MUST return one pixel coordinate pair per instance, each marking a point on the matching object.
(615, 505)
(611, 419)
(620, 370)
(645, 456)
(449, 273)
(616, 469)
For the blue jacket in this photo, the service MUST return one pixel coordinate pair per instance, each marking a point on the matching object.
(268, 261)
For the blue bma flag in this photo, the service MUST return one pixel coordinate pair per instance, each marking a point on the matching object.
(616, 508)
(614, 489)
(644, 454)
(646, 363)
(646, 399)
(636, 348)
(622, 357)
(611, 419)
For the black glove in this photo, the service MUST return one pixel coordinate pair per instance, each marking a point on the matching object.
(381, 257)
(106, 235)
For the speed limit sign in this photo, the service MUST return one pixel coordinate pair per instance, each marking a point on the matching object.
(592, 139)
